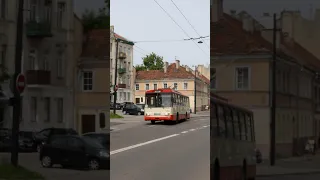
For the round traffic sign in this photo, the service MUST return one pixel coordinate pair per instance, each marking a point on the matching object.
(116, 88)
(20, 83)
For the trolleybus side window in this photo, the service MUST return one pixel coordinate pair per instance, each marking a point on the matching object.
(249, 127)
(222, 123)
(214, 121)
(237, 127)
(252, 127)
(228, 116)
(243, 126)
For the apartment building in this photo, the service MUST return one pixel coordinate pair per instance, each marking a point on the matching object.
(92, 97)
(47, 57)
(240, 71)
(125, 78)
(180, 78)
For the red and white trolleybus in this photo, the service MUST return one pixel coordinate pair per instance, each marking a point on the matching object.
(166, 105)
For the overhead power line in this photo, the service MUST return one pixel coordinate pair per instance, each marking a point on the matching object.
(180, 27)
(173, 40)
(188, 21)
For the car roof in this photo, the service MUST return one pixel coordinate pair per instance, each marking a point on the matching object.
(94, 133)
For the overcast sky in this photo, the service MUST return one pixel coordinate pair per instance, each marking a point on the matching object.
(144, 20)
(257, 7)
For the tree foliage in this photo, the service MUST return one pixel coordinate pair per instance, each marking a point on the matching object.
(151, 62)
(97, 20)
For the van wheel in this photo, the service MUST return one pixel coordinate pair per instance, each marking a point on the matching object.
(244, 170)
(216, 170)
(139, 113)
(94, 164)
(46, 162)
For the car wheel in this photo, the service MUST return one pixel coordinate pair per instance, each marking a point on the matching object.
(46, 161)
(93, 164)
(139, 113)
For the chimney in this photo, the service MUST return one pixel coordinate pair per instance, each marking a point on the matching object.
(165, 68)
(187, 68)
(177, 64)
(233, 13)
(248, 24)
(216, 10)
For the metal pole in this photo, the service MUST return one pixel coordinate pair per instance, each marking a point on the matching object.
(115, 78)
(17, 98)
(195, 90)
(273, 105)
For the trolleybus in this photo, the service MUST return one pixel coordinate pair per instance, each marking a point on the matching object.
(166, 105)
(232, 141)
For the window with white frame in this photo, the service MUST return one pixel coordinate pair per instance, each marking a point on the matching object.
(175, 86)
(155, 86)
(59, 66)
(242, 78)
(3, 10)
(87, 80)
(47, 110)
(33, 60)
(60, 14)
(165, 85)
(147, 86)
(33, 109)
(60, 110)
(185, 86)
(137, 86)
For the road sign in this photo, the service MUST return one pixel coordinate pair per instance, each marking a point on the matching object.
(116, 88)
(20, 83)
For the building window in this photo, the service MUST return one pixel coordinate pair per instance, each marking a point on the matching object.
(129, 96)
(165, 85)
(34, 107)
(102, 119)
(48, 5)
(33, 10)
(61, 10)
(3, 9)
(59, 66)
(147, 86)
(111, 47)
(46, 65)
(47, 109)
(175, 86)
(87, 81)
(155, 86)
(213, 82)
(137, 86)
(185, 86)
(60, 110)
(242, 78)
(33, 60)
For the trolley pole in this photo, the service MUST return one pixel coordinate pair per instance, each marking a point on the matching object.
(195, 90)
(17, 98)
(115, 78)
(273, 95)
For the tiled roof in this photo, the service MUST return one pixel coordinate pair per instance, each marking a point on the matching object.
(120, 37)
(230, 38)
(97, 44)
(172, 73)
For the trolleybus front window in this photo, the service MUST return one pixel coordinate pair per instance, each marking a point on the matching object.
(159, 100)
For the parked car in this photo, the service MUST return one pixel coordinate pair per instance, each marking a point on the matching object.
(74, 151)
(125, 104)
(133, 109)
(26, 143)
(103, 138)
(41, 137)
(118, 106)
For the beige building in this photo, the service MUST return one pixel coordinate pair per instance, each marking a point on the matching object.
(125, 71)
(92, 87)
(175, 76)
(241, 66)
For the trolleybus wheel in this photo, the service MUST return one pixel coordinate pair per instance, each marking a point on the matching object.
(244, 171)
(177, 118)
(216, 170)
(153, 122)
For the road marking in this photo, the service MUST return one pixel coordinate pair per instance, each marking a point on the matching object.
(192, 129)
(183, 132)
(142, 144)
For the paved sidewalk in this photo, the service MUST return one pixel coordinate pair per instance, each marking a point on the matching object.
(296, 165)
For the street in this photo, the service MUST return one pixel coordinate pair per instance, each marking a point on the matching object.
(162, 151)
(292, 177)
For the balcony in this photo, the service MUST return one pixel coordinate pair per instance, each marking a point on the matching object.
(122, 70)
(122, 85)
(38, 77)
(122, 55)
(38, 29)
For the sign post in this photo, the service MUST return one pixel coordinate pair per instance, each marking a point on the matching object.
(20, 83)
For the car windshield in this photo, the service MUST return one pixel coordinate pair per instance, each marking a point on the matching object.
(93, 142)
(158, 100)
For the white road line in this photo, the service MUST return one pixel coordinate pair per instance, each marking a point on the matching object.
(142, 144)
(183, 132)
(192, 129)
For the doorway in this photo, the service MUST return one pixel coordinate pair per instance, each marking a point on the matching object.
(88, 123)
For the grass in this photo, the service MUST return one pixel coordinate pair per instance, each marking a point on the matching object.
(115, 116)
(9, 172)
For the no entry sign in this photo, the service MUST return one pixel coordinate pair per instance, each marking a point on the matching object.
(20, 83)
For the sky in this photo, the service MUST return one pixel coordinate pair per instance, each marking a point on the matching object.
(257, 7)
(144, 20)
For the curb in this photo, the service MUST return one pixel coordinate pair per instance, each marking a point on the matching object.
(286, 174)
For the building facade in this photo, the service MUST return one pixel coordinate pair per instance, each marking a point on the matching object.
(125, 70)
(47, 57)
(181, 78)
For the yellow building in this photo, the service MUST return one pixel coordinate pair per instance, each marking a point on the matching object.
(182, 78)
(92, 89)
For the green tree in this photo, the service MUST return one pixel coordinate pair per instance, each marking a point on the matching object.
(97, 20)
(151, 62)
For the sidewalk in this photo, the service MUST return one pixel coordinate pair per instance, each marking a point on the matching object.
(296, 165)
(201, 114)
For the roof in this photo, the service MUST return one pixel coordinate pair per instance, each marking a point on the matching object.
(96, 44)
(230, 38)
(124, 40)
(172, 73)
(163, 90)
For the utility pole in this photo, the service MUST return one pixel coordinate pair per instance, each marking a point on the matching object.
(273, 92)
(17, 98)
(115, 78)
(195, 89)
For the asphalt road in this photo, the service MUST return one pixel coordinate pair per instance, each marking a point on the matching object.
(161, 151)
(292, 177)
